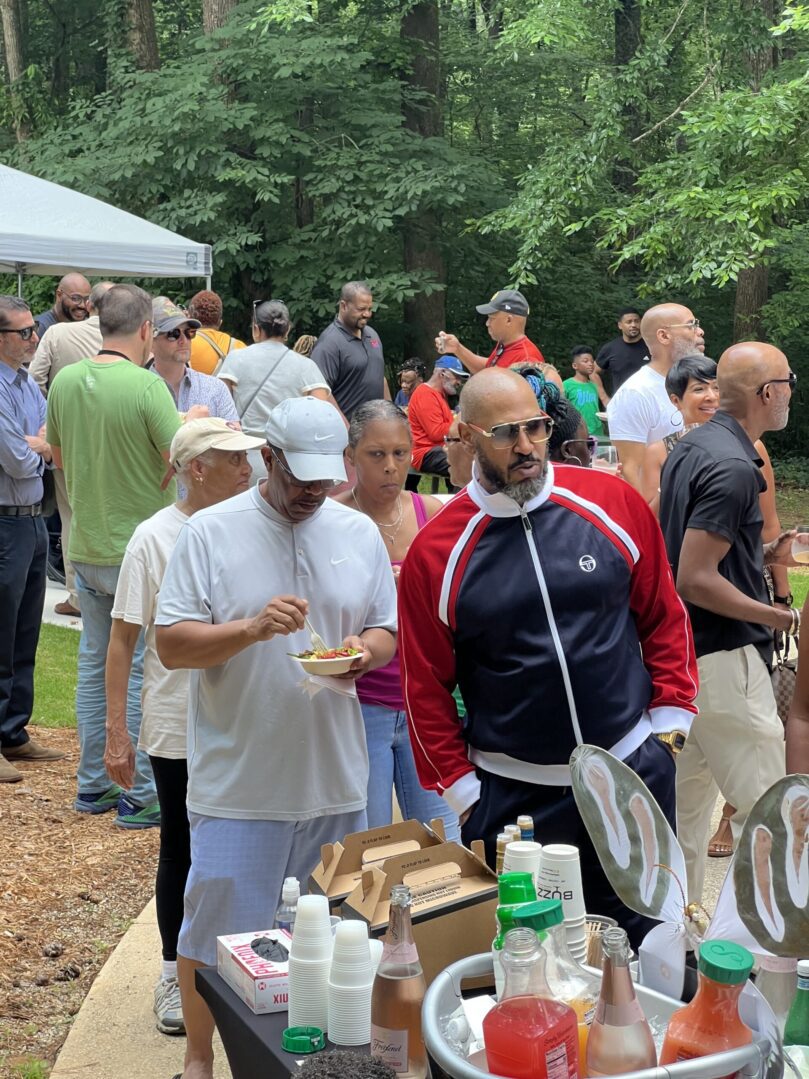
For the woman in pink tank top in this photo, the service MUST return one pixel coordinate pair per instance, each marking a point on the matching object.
(379, 449)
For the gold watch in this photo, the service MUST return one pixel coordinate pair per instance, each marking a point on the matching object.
(675, 740)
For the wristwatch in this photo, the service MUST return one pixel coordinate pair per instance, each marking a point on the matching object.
(786, 600)
(675, 740)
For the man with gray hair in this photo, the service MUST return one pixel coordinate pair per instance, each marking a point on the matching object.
(66, 343)
(24, 455)
(110, 424)
(349, 352)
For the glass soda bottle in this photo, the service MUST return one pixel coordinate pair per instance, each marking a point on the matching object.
(796, 1030)
(513, 891)
(398, 993)
(711, 1022)
(528, 1035)
(620, 1038)
(568, 980)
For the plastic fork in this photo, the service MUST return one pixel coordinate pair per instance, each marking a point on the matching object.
(318, 644)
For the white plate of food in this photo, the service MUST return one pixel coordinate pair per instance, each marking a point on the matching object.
(327, 662)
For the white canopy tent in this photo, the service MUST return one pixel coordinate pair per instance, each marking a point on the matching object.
(47, 229)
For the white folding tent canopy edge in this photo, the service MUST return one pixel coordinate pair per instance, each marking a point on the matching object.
(47, 229)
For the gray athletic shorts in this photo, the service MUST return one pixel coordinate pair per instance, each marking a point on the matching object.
(238, 869)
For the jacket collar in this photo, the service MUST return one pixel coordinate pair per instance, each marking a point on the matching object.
(500, 505)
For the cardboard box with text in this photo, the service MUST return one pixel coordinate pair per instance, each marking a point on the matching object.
(262, 984)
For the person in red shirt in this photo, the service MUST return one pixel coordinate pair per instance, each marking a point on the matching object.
(507, 313)
(431, 417)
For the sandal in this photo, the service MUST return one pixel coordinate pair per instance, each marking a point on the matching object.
(720, 844)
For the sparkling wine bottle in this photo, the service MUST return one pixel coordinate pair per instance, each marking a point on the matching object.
(620, 1039)
(398, 994)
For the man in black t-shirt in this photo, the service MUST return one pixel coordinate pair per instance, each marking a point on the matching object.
(624, 355)
(712, 522)
(349, 352)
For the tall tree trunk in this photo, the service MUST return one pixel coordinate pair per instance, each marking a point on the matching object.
(424, 314)
(627, 40)
(752, 284)
(215, 13)
(15, 63)
(751, 295)
(143, 35)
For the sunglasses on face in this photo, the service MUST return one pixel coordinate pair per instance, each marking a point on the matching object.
(591, 441)
(26, 333)
(303, 484)
(505, 435)
(792, 382)
(190, 332)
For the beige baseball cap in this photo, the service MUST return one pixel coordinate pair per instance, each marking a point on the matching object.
(210, 433)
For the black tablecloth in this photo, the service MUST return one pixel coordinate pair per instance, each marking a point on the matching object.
(252, 1042)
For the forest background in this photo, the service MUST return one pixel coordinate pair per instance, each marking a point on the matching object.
(594, 153)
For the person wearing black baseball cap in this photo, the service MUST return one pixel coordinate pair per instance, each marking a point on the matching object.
(507, 312)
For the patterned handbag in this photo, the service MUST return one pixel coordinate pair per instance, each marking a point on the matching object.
(784, 674)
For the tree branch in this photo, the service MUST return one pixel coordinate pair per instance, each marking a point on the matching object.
(709, 75)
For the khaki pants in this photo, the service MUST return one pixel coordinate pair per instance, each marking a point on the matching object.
(736, 743)
(66, 514)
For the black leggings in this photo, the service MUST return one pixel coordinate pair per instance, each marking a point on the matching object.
(171, 781)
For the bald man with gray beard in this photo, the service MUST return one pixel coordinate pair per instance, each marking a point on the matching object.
(712, 522)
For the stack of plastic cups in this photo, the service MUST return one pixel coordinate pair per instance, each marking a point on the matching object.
(351, 981)
(522, 856)
(560, 878)
(309, 963)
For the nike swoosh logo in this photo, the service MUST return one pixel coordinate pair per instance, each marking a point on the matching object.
(322, 438)
(338, 561)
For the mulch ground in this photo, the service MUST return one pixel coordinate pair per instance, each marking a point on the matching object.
(70, 884)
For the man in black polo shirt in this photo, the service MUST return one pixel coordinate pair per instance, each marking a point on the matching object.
(624, 355)
(349, 352)
(712, 521)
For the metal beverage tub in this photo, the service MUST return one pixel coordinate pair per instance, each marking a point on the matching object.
(444, 996)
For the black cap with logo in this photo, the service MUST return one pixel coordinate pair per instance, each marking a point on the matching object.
(505, 300)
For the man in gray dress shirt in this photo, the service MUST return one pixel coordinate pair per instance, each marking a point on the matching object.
(23, 537)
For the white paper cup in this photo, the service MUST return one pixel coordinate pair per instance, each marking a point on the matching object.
(522, 856)
(559, 877)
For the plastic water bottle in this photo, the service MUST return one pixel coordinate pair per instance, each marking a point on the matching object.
(285, 915)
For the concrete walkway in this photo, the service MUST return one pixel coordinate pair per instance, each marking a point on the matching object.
(114, 1035)
(55, 593)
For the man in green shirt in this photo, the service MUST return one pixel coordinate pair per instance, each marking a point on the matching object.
(581, 391)
(110, 425)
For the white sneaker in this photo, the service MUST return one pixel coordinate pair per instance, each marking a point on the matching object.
(168, 1007)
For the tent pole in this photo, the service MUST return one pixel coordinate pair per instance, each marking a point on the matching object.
(208, 282)
(19, 267)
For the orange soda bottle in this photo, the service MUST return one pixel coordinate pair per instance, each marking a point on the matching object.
(528, 1035)
(711, 1022)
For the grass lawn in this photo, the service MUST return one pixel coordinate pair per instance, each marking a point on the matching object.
(55, 677)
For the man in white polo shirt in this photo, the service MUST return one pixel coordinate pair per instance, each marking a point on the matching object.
(641, 411)
(273, 772)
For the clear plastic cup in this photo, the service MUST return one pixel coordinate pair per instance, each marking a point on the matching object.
(800, 550)
(312, 935)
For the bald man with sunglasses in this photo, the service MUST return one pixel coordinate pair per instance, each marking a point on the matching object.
(544, 593)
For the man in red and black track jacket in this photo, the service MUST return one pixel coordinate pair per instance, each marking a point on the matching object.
(545, 594)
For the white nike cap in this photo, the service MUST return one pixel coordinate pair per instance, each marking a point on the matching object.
(312, 435)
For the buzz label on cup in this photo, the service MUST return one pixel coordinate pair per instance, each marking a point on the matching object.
(559, 877)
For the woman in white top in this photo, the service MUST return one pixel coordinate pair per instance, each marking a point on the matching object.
(211, 459)
(268, 372)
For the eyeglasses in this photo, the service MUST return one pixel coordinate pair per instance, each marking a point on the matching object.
(792, 382)
(303, 484)
(190, 332)
(26, 333)
(76, 297)
(449, 440)
(504, 435)
(692, 325)
(591, 440)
